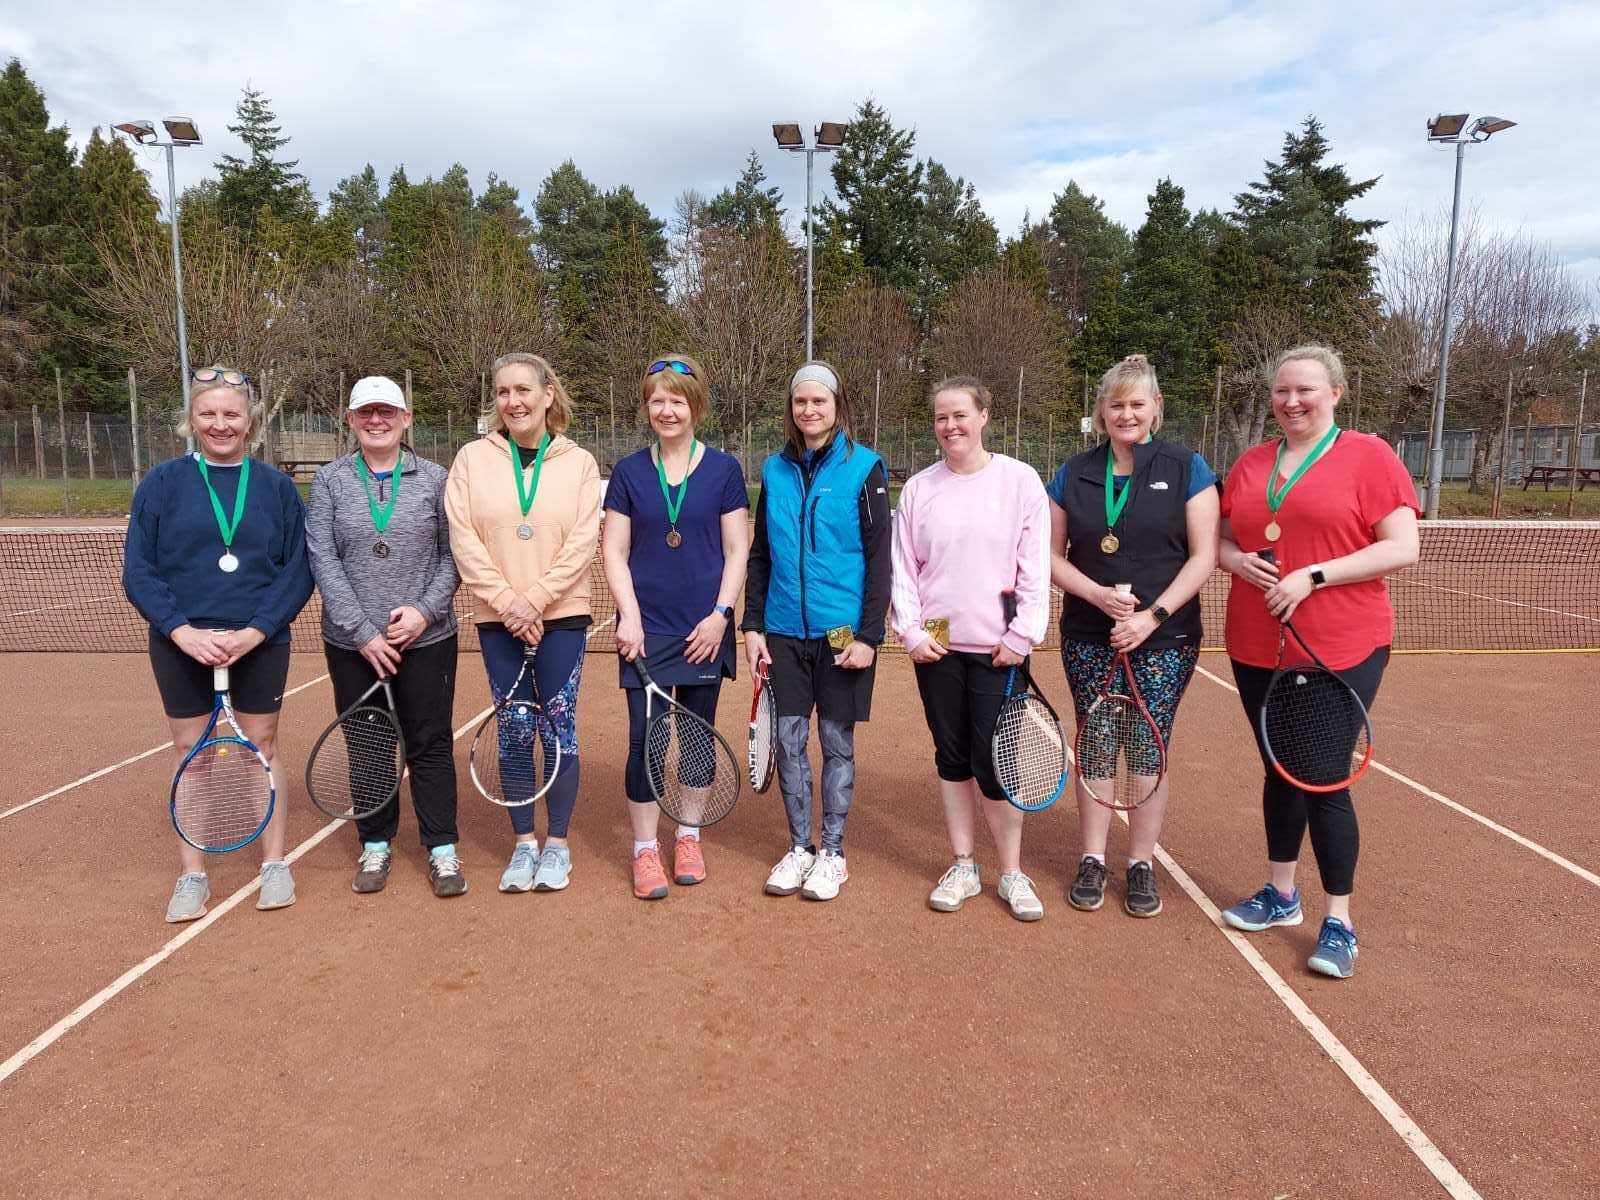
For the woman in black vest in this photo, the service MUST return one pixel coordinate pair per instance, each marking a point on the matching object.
(1130, 511)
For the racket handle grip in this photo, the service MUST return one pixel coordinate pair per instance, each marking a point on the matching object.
(219, 679)
(1125, 589)
(1008, 606)
(1268, 554)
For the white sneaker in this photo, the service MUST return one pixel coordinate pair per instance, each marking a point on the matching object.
(825, 877)
(791, 872)
(1016, 889)
(955, 887)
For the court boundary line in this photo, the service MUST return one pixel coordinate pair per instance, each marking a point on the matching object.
(1544, 852)
(127, 762)
(121, 983)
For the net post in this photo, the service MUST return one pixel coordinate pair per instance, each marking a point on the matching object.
(61, 425)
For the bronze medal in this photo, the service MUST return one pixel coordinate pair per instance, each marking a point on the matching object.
(1272, 531)
(380, 549)
(674, 538)
(1109, 544)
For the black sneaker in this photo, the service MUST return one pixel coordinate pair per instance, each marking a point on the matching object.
(1141, 900)
(1088, 890)
(372, 873)
(444, 873)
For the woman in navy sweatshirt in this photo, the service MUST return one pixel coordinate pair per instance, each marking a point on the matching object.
(216, 562)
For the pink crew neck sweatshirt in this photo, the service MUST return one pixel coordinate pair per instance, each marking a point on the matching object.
(959, 541)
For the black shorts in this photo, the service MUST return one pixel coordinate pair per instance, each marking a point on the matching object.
(803, 676)
(255, 682)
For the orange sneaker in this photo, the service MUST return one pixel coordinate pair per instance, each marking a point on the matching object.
(649, 877)
(688, 863)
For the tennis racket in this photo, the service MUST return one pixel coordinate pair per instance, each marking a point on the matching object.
(222, 793)
(693, 773)
(763, 731)
(1122, 757)
(355, 767)
(504, 761)
(1028, 748)
(1313, 726)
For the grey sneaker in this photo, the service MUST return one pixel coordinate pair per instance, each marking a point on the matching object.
(555, 868)
(1142, 899)
(444, 873)
(277, 886)
(1016, 889)
(955, 887)
(1088, 890)
(518, 875)
(372, 871)
(189, 896)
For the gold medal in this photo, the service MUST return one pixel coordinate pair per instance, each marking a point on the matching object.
(1109, 544)
(674, 538)
(939, 629)
(1272, 531)
(841, 637)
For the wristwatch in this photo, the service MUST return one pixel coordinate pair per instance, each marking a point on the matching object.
(1318, 579)
(1159, 613)
(725, 609)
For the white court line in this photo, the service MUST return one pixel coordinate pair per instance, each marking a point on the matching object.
(1549, 855)
(108, 993)
(1435, 587)
(29, 612)
(143, 754)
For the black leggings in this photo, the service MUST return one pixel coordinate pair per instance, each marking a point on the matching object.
(698, 698)
(1288, 811)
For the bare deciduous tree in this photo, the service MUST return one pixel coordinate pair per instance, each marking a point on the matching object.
(346, 331)
(867, 334)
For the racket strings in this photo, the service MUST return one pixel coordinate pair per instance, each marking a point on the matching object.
(223, 797)
(1030, 753)
(356, 770)
(1315, 727)
(1120, 757)
(691, 771)
(762, 747)
(508, 764)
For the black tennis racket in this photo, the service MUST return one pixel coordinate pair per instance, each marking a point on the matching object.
(693, 773)
(1028, 748)
(222, 793)
(504, 762)
(355, 767)
(1314, 727)
(763, 731)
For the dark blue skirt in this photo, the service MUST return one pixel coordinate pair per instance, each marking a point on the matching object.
(664, 659)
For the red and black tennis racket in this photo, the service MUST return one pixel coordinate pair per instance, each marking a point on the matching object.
(763, 731)
(1122, 757)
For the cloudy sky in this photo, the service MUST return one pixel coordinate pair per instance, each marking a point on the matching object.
(1017, 97)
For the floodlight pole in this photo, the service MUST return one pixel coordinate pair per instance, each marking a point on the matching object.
(1442, 378)
(811, 289)
(177, 278)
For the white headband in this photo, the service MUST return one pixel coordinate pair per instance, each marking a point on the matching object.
(815, 373)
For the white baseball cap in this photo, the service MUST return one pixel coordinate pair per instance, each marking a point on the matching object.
(377, 389)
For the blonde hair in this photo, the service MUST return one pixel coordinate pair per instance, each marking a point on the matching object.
(558, 416)
(691, 387)
(970, 384)
(256, 409)
(1132, 372)
(1311, 352)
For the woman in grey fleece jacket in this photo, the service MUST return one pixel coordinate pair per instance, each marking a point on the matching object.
(380, 550)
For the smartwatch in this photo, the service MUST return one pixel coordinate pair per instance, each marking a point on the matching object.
(1318, 579)
(1159, 613)
(725, 609)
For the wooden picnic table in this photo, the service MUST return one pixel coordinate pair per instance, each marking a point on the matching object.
(1548, 473)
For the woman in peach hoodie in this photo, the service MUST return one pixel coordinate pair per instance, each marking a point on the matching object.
(524, 508)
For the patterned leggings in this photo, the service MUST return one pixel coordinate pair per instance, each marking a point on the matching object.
(1162, 676)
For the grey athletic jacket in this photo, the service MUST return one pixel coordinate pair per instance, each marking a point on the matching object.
(359, 587)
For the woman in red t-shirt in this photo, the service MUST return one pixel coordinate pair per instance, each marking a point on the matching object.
(1340, 511)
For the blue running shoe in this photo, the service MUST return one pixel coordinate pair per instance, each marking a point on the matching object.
(518, 875)
(1264, 910)
(1336, 950)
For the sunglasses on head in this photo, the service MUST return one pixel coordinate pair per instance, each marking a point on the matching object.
(670, 364)
(228, 375)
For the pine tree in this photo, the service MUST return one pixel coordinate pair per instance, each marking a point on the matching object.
(748, 205)
(954, 237)
(1083, 246)
(879, 186)
(247, 186)
(1164, 304)
(1023, 258)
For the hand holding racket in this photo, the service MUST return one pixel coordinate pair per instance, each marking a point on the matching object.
(692, 771)
(1122, 757)
(355, 767)
(222, 793)
(763, 730)
(505, 763)
(1028, 747)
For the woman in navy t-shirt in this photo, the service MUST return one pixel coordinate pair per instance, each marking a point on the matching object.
(675, 544)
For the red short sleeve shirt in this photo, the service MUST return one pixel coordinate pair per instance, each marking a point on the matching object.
(1332, 511)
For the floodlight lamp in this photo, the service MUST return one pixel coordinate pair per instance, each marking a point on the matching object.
(139, 131)
(788, 136)
(182, 130)
(831, 133)
(1446, 127)
(1485, 126)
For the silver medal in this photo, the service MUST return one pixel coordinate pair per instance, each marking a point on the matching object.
(228, 562)
(524, 531)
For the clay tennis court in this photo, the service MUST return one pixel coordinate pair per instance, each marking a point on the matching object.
(727, 1043)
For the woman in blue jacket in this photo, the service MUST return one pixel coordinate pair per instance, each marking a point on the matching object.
(815, 598)
(216, 562)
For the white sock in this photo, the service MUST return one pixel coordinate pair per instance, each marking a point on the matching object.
(1099, 858)
(1133, 862)
(640, 847)
(689, 831)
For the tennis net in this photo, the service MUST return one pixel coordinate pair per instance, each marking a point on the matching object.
(1478, 586)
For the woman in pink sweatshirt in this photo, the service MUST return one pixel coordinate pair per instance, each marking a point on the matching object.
(974, 525)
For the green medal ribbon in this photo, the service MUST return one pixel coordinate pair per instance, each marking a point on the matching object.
(1114, 507)
(525, 495)
(380, 516)
(227, 528)
(1276, 496)
(674, 505)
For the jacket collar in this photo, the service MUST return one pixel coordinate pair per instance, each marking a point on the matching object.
(408, 460)
(825, 453)
(1095, 467)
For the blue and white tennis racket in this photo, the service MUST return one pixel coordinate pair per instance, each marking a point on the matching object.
(222, 794)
